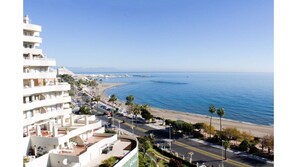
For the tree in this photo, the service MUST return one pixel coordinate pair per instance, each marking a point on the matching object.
(174, 163)
(188, 127)
(113, 98)
(144, 107)
(231, 133)
(226, 145)
(207, 128)
(199, 126)
(268, 141)
(136, 109)
(212, 109)
(146, 114)
(129, 100)
(130, 103)
(71, 93)
(246, 136)
(97, 98)
(169, 122)
(179, 124)
(221, 113)
(244, 145)
(145, 146)
(85, 110)
(67, 78)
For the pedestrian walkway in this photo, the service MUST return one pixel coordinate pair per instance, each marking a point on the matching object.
(238, 153)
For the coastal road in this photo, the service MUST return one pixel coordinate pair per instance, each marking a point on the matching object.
(202, 153)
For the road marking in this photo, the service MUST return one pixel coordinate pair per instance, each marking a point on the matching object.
(210, 154)
(197, 150)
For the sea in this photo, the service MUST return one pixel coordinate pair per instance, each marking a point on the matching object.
(246, 97)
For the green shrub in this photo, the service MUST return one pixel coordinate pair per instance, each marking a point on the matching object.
(244, 145)
(109, 162)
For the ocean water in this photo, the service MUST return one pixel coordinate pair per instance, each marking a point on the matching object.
(246, 97)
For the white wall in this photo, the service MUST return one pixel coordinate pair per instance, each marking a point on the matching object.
(56, 160)
(128, 156)
(46, 143)
(42, 161)
(26, 145)
(92, 152)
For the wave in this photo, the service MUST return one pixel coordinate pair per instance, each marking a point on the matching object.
(168, 82)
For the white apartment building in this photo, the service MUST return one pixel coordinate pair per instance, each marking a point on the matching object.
(52, 134)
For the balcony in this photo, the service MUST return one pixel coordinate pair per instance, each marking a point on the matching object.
(83, 153)
(63, 86)
(33, 51)
(39, 62)
(46, 115)
(46, 102)
(32, 27)
(32, 39)
(40, 75)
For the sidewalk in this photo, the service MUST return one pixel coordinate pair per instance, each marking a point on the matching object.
(239, 153)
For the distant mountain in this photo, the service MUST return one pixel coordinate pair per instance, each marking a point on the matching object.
(92, 69)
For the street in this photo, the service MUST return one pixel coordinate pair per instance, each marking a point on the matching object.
(202, 153)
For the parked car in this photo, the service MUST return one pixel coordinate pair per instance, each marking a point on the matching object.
(103, 106)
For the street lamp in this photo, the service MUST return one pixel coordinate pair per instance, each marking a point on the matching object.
(132, 124)
(191, 154)
(222, 153)
(169, 136)
(119, 125)
(113, 114)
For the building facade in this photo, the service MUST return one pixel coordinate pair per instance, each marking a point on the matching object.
(52, 134)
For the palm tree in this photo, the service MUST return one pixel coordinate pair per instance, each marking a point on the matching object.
(129, 100)
(97, 99)
(221, 113)
(113, 98)
(212, 109)
(136, 109)
(144, 107)
(226, 145)
(130, 103)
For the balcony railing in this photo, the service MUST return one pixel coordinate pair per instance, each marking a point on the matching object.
(32, 50)
(32, 27)
(38, 75)
(32, 39)
(64, 86)
(47, 115)
(46, 102)
(39, 62)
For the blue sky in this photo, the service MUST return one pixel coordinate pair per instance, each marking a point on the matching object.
(157, 35)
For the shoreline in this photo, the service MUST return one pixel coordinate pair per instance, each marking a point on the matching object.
(256, 130)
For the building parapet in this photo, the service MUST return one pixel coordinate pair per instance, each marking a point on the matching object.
(40, 161)
(61, 86)
(32, 27)
(39, 62)
(39, 75)
(34, 51)
(131, 158)
(46, 115)
(32, 39)
(46, 102)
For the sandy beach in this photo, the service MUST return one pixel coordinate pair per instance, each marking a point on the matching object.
(254, 129)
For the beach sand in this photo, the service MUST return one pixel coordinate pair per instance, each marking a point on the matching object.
(254, 129)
